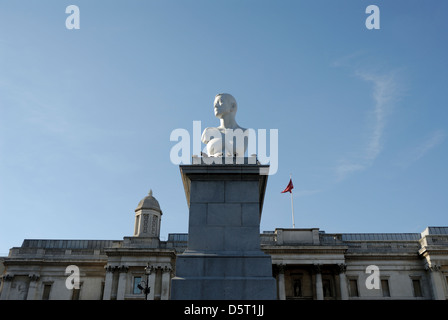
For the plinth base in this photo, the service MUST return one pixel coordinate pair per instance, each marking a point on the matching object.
(223, 276)
(230, 288)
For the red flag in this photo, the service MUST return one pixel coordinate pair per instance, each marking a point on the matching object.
(289, 187)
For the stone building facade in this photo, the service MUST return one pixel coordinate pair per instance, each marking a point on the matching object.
(306, 263)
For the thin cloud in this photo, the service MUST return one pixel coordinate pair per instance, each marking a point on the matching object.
(345, 169)
(348, 59)
(385, 92)
(434, 139)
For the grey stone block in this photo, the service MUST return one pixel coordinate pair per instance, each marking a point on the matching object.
(239, 266)
(208, 238)
(241, 191)
(242, 238)
(223, 266)
(250, 214)
(198, 214)
(207, 191)
(224, 288)
(187, 266)
(224, 214)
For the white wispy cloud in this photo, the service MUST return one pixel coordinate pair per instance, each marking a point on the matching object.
(385, 93)
(431, 141)
(345, 168)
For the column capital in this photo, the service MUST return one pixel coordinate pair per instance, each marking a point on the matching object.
(7, 277)
(316, 268)
(342, 268)
(150, 268)
(34, 277)
(110, 268)
(167, 268)
(432, 267)
(123, 268)
(281, 267)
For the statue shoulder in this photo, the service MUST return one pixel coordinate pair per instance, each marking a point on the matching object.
(208, 133)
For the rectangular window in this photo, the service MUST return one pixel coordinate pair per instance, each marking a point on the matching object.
(417, 288)
(46, 293)
(135, 289)
(353, 288)
(137, 221)
(385, 288)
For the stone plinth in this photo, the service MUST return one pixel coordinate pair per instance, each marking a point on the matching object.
(223, 259)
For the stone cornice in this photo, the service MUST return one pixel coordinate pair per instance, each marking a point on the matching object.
(59, 262)
(381, 256)
(123, 252)
(432, 250)
(316, 249)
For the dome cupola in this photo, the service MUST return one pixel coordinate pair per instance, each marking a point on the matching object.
(148, 217)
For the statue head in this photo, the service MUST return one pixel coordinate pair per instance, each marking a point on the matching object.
(225, 104)
(229, 139)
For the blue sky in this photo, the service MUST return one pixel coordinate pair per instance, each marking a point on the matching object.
(86, 115)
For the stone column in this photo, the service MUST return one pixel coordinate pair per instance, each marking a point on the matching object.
(122, 282)
(166, 279)
(436, 282)
(319, 289)
(6, 279)
(108, 282)
(32, 287)
(281, 282)
(343, 281)
(152, 283)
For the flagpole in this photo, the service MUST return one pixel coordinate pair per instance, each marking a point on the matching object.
(292, 207)
(289, 188)
(292, 204)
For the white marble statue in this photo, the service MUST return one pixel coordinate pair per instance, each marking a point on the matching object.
(228, 139)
